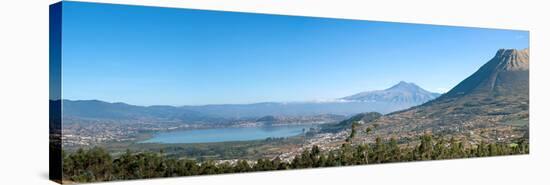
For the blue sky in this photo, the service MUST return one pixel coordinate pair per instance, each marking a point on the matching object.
(166, 56)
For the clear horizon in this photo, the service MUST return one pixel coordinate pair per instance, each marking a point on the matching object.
(165, 56)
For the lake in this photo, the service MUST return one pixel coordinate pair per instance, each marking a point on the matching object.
(227, 134)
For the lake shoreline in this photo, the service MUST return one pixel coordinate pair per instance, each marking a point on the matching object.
(226, 134)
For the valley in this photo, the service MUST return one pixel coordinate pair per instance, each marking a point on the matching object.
(486, 114)
(124, 123)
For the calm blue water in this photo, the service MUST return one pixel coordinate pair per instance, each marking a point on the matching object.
(227, 134)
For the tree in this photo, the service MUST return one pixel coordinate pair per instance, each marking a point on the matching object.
(440, 150)
(96, 164)
(346, 154)
(368, 130)
(278, 164)
(379, 150)
(426, 147)
(332, 160)
(353, 131)
(208, 167)
(242, 166)
(366, 145)
(394, 151)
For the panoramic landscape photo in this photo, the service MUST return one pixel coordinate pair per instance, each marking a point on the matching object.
(148, 92)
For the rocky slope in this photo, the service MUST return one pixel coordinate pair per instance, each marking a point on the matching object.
(491, 105)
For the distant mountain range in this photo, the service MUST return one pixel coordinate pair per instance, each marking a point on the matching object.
(95, 109)
(400, 96)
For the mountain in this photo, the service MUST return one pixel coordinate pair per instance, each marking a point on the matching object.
(95, 109)
(491, 105)
(398, 97)
(401, 93)
(506, 74)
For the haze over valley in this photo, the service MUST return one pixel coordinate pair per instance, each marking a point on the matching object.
(104, 121)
